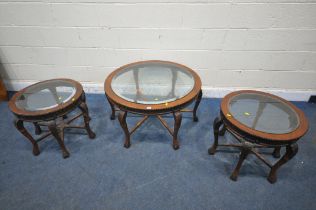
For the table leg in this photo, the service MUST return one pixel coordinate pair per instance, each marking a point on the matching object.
(19, 124)
(216, 125)
(276, 152)
(59, 136)
(122, 119)
(85, 111)
(291, 151)
(177, 123)
(222, 131)
(243, 155)
(112, 108)
(38, 129)
(197, 103)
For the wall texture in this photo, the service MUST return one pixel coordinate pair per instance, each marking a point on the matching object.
(269, 44)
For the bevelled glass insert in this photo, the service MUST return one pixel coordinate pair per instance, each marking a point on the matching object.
(263, 113)
(152, 83)
(46, 95)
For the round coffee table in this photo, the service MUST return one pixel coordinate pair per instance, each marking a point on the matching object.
(153, 88)
(260, 120)
(47, 104)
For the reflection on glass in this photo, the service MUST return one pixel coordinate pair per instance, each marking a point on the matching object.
(46, 95)
(263, 113)
(152, 83)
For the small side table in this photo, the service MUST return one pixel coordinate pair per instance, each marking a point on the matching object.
(260, 120)
(153, 88)
(46, 104)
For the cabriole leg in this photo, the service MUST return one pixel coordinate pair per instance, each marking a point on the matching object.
(59, 136)
(243, 155)
(276, 152)
(84, 108)
(38, 129)
(216, 125)
(20, 126)
(122, 119)
(291, 151)
(222, 131)
(197, 103)
(177, 123)
(112, 108)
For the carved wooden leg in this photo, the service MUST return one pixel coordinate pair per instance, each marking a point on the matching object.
(177, 123)
(222, 131)
(19, 125)
(83, 107)
(216, 125)
(122, 119)
(112, 108)
(38, 129)
(291, 151)
(59, 136)
(197, 103)
(243, 155)
(276, 152)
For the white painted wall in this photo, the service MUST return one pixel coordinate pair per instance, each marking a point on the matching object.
(232, 44)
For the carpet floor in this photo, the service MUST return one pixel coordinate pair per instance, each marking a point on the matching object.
(102, 174)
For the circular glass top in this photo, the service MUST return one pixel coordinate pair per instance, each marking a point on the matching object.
(45, 95)
(152, 83)
(263, 113)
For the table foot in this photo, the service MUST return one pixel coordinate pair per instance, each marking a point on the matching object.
(127, 145)
(175, 146)
(291, 151)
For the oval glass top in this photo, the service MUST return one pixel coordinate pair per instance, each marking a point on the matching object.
(152, 83)
(46, 95)
(263, 113)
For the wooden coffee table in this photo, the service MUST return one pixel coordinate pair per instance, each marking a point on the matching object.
(46, 104)
(260, 120)
(153, 88)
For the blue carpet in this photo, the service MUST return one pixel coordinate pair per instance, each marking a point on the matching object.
(102, 174)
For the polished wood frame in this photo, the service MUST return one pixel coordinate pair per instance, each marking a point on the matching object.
(174, 107)
(250, 140)
(55, 119)
(3, 92)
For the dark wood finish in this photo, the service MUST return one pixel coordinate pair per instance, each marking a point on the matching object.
(177, 123)
(48, 114)
(122, 119)
(58, 133)
(249, 140)
(275, 138)
(38, 129)
(55, 119)
(197, 103)
(179, 104)
(3, 91)
(174, 107)
(20, 126)
(85, 112)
